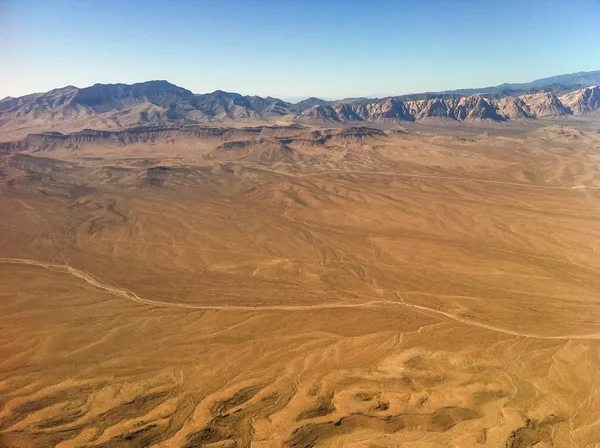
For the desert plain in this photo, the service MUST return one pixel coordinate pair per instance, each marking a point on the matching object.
(294, 286)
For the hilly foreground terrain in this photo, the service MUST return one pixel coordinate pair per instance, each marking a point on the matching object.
(198, 282)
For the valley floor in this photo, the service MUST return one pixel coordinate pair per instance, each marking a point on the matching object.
(414, 289)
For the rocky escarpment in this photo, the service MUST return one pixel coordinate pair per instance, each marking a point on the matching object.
(271, 141)
(50, 140)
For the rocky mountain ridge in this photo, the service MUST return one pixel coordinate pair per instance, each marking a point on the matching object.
(160, 103)
(545, 104)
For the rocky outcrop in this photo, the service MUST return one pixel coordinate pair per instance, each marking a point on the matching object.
(545, 105)
(582, 101)
(510, 108)
(475, 107)
(430, 108)
(389, 109)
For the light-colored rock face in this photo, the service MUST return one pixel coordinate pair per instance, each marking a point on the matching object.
(466, 108)
(544, 105)
(475, 107)
(510, 108)
(389, 109)
(582, 101)
(429, 108)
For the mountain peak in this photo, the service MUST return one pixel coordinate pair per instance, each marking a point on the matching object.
(159, 102)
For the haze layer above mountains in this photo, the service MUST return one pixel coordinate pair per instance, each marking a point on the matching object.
(152, 103)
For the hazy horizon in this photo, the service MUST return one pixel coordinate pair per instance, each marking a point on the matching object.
(294, 51)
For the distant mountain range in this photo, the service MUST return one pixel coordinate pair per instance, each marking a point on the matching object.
(160, 103)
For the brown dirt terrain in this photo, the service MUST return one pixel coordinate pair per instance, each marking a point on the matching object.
(303, 287)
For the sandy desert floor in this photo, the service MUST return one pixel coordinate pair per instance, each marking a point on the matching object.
(432, 287)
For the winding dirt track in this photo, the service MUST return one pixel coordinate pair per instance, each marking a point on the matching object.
(497, 329)
(135, 298)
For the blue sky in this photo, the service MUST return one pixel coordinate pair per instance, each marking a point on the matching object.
(293, 49)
